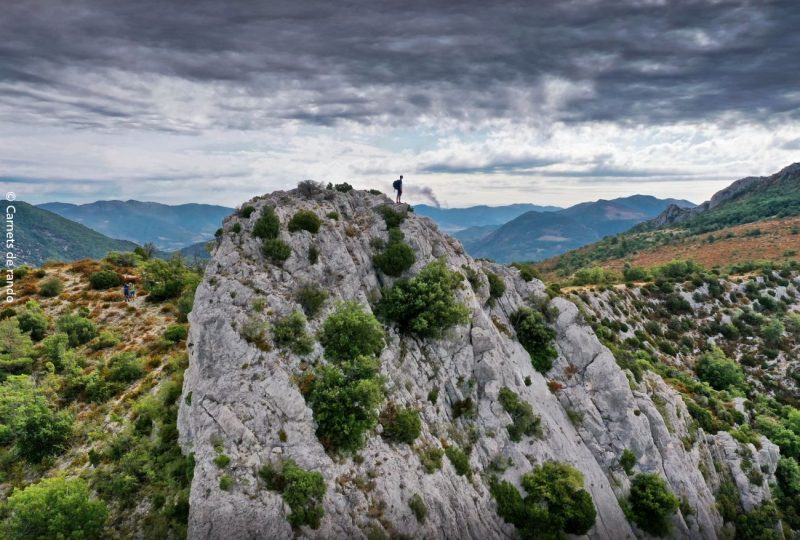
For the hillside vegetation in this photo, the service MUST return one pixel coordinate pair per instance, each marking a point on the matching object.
(168, 227)
(88, 400)
(41, 235)
(754, 218)
(729, 344)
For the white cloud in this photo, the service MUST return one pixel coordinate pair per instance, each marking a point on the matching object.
(561, 164)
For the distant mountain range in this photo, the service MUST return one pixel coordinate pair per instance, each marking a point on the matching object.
(456, 219)
(715, 232)
(41, 235)
(169, 227)
(537, 235)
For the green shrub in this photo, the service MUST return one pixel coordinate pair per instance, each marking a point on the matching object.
(225, 482)
(304, 220)
(21, 271)
(431, 459)
(417, 506)
(333, 215)
(344, 187)
(122, 259)
(719, 371)
(176, 332)
(676, 304)
(785, 432)
(246, 211)
(27, 420)
(344, 399)
(236, 228)
(104, 279)
(32, 319)
(125, 367)
(459, 459)
(525, 422)
(596, 275)
(400, 424)
(97, 389)
(349, 332)
(536, 337)
(526, 271)
(79, 329)
(395, 235)
(727, 500)
(303, 493)
(104, 340)
(222, 461)
(54, 347)
(425, 305)
(186, 300)
(51, 287)
(395, 259)
(165, 280)
(268, 225)
(464, 407)
(254, 331)
(302, 490)
(788, 492)
(651, 503)
(634, 273)
(392, 217)
(311, 298)
(759, 524)
(772, 333)
(55, 508)
(555, 502)
(677, 270)
(276, 250)
(627, 461)
(497, 286)
(290, 333)
(313, 254)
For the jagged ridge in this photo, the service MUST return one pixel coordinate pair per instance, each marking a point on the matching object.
(244, 400)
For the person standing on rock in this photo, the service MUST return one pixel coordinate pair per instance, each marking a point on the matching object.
(398, 186)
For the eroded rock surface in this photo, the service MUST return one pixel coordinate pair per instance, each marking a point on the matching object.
(245, 400)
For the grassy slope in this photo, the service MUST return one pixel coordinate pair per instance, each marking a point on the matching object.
(777, 239)
(139, 470)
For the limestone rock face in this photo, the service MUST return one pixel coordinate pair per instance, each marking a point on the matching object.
(244, 402)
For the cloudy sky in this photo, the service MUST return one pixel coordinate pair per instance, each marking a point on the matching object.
(483, 102)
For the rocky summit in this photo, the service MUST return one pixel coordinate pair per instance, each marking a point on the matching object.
(459, 420)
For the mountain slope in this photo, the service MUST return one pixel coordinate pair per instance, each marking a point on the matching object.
(535, 236)
(250, 395)
(726, 229)
(744, 201)
(168, 227)
(454, 219)
(114, 382)
(41, 235)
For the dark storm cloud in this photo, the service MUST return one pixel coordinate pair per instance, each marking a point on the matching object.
(249, 64)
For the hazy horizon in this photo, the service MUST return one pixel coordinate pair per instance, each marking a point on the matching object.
(423, 202)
